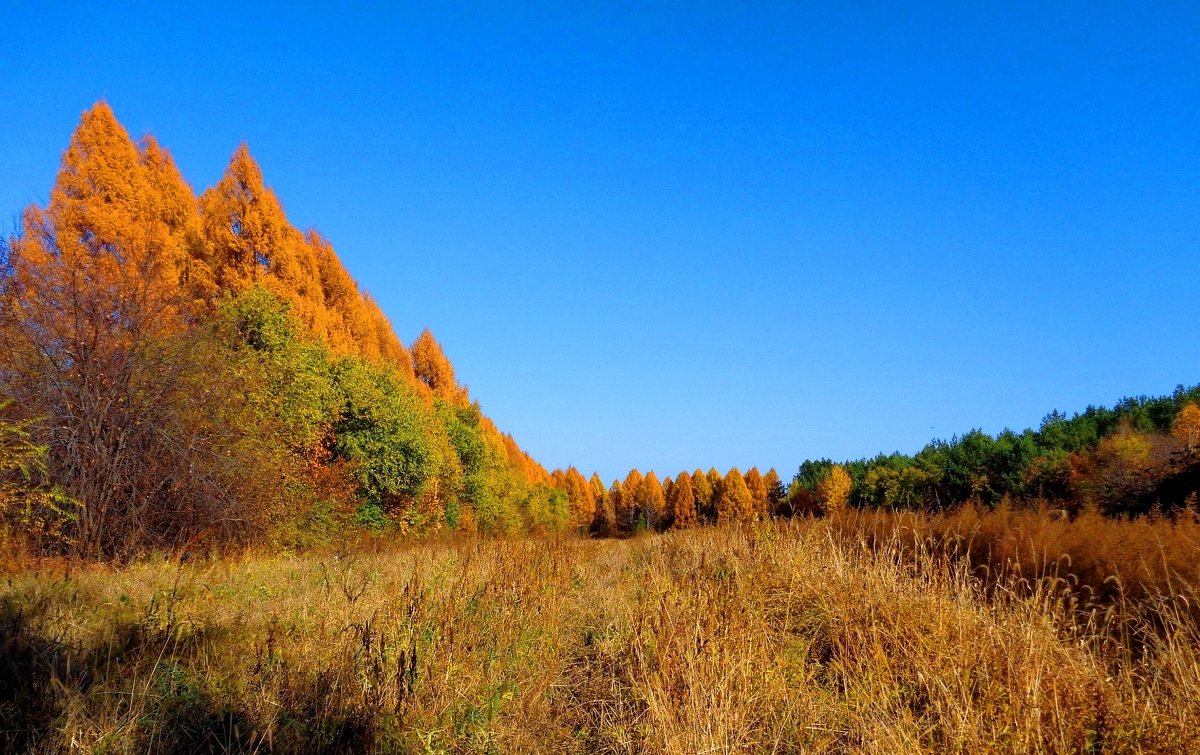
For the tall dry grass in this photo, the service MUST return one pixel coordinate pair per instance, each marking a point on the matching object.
(793, 638)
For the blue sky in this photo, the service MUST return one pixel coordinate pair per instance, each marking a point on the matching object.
(698, 235)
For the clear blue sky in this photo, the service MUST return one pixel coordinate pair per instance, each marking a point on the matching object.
(698, 235)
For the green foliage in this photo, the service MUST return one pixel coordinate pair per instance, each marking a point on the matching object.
(295, 382)
(30, 508)
(811, 473)
(546, 509)
(384, 430)
(1033, 464)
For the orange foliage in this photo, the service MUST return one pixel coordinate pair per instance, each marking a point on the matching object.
(626, 503)
(580, 495)
(733, 500)
(249, 241)
(124, 257)
(1186, 429)
(650, 502)
(758, 493)
(434, 369)
(702, 488)
(1122, 468)
(681, 503)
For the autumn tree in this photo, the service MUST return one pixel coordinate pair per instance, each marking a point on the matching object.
(580, 498)
(618, 504)
(775, 491)
(98, 293)
(649, 502)
(603, 521)
(682, 503)
(702, 489)
(177, 216)
(247, 232)
(248, 241)
(1121, 472)
(352, 322)
(758, 493)
(715, 481)
(1186, 429)
(734, 502)
(384, 340)
(627, 503)
(833, 492)
(434, 369)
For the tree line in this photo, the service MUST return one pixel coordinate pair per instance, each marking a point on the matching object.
(1138, 457)
(178, 369)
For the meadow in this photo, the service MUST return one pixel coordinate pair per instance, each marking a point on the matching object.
(1004, 631)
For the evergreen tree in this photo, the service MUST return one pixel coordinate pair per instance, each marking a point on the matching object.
(775, 491)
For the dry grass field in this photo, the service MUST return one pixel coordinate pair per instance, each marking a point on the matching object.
(874, 636)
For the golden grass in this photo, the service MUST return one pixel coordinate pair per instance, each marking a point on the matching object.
(782, 638)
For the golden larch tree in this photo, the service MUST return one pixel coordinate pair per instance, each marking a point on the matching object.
(734, 503)
(386, 343)
(581, 498)
(758, 493)
(715, 481)
(252, 243)
(775, 491)
(682, 503)
(244, 224)
(177, 214)
(602, 522)
(434, 369)
(833, 492)
(100, 289)
(626, 506)
(617, 503)
(650, 502)
(702, 489)
(1186, 429)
